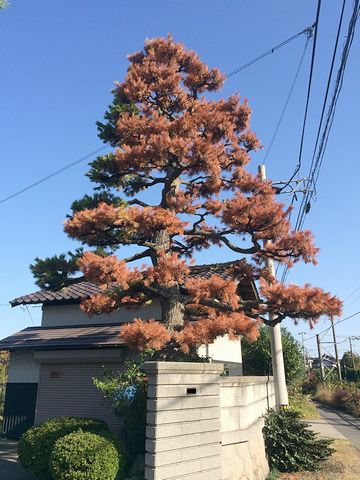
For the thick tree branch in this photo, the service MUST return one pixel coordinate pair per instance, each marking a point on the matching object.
(138, 256)
(221, 237)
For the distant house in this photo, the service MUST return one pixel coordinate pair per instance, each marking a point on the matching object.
(328, 361)
(52, 367)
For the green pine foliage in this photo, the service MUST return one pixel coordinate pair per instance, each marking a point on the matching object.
(55, 272)
(290, 445)
(85, 456)
(36, 445)
(107, 131)
(92, 201)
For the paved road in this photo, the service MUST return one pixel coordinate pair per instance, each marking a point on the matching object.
(10, 468)
(337, 425)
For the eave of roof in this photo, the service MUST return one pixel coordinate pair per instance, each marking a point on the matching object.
(81, 290)
(94, 336)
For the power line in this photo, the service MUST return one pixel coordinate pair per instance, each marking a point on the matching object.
(317, 159)
(352, 293)
(76, 162)
(316, 27)
(352, 301)
(347, 318)
(328, 84)
(288, 97)
(54, 174)
(336, 323)
(268, 52)
(316, 164)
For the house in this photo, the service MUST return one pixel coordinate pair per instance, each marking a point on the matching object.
(52, 366)
(328, 361)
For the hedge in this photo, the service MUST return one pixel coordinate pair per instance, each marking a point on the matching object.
(85, 456)
(36, 445)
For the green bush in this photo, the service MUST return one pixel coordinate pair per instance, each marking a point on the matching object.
(127, 392)
(290, 445)
(35, 445)
(257, 355)
(85, 456)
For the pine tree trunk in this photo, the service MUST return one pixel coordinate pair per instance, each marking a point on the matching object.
(172, 308)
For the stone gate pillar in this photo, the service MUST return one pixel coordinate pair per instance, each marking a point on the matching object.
(183, 421)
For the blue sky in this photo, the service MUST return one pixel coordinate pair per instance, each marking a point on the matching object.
(59, 60)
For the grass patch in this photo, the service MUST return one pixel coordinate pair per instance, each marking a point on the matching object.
(344, 464)
(303, 405)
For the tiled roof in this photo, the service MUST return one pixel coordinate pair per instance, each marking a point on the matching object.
(63, 337)
(81, 290)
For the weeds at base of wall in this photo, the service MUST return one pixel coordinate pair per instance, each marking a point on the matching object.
(273, 475)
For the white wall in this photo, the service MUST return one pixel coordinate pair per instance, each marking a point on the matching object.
(225, 351)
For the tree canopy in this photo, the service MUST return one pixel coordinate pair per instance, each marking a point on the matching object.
(170, 138)
(257, 355)
(347, 360)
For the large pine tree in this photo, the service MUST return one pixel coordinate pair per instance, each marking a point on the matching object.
(168, 137)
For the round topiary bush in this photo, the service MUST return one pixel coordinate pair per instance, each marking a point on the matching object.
(85, 456)
(35, 445)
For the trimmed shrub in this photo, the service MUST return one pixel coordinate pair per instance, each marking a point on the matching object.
(85, 456)
(35, 445)
(290, 445)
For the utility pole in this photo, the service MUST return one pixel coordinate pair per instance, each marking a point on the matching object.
(303, 350)
(322, 372)
(338, 366)
(277, 357)
(352, 354)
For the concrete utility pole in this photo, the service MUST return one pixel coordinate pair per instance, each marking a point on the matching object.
(338, 366)
(277, 357)
(321, 364)
(352, 354)
(303, 350)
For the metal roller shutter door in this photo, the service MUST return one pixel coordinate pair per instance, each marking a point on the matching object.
(68, 390)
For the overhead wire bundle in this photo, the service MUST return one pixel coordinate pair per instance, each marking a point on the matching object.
(272, 50)
(324, 130)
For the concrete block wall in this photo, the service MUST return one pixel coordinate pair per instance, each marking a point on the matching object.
(243, 403)
(183, 421)
(202, 425)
